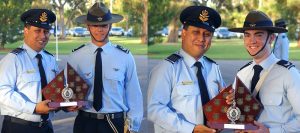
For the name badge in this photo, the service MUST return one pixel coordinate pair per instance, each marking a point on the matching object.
(30, 71)
(187, 82)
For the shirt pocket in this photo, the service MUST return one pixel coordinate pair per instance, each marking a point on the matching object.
(114, 75)
(115, 80)
(30, 77)
(272, 99)
(273, 105)
(187, 90)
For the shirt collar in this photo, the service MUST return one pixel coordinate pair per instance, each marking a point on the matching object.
(31, 52)
(266, 63)
(106, 47)
(189, 59)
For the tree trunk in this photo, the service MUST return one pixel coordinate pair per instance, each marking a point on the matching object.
(144, 37)
(2, 45)
(76, 7)
(3, 40)
(62, 22)
(173, 31)
(298, 38)
(260, 4)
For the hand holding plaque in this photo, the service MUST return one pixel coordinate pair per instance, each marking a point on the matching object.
(66, 91)
(240, 115)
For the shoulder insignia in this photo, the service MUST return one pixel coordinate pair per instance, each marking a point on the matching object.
(249, 63)
(122, 49)
(285, 64)
(173, 58)
(210, 59)
(48, 53)
(78, 47)
(17, 51)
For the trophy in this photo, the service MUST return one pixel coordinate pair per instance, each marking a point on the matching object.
(64, 91)
(239, 115)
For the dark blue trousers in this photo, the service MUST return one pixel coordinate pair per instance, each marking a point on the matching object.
(91, 125)
(16, 125)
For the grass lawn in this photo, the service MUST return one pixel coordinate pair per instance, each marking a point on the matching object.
(228, 49)
(66, 46)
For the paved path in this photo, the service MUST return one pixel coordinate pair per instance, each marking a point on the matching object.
(63, 122)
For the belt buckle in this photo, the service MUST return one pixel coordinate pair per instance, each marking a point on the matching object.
(112, 116)
(100, 116)
(41, 124)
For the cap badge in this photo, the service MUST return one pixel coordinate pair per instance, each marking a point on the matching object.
(100, 19)
(252, 25)
(204, 16)
(43, 17)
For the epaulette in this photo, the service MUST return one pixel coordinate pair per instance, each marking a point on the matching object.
(78, 47)
(122, 49)
(210, 59)
(48, 53)
(17, 51)
(285, 64)
(249, 63)
(173, 58)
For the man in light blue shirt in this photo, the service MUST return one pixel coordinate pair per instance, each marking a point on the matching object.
(282, 43)
(181, 84)
(278, 86)
(24, 73)
(110, 72)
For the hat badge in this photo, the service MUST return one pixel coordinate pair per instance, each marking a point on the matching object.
(100, 19)
(43, 17)
(252, 25)
(204, 16)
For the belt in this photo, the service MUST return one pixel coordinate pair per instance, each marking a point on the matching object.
(24, 122)
(101, 115)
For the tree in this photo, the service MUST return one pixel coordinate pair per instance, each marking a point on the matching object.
(175, 8)
(77, 8)
(160, 15)
(136, 16)
(145, 23)
(59, 5)
(11, 25)
(41, 4)
(167, 12)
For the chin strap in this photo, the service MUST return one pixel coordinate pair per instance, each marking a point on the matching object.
(262, 47)
(103, 38)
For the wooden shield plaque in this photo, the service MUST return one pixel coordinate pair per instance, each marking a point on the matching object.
(63, 96)
(218, 112)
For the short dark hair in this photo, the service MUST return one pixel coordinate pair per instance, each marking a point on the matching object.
(27, 26)
(185, 26)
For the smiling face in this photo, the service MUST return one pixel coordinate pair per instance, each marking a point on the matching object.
(196, 41)
(35, 37)
(99, 33)
(254, 41)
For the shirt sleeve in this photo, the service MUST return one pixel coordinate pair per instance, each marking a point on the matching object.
(285, 48)
(292, 86)
(134, 96)
(159, 100)
(9, 96)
